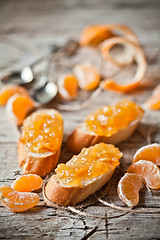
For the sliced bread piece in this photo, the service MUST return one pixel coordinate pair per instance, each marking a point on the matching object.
(109, 124)
(83, 175)
(40, 142)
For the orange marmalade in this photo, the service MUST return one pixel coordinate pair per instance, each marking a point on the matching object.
(108, 120)
(42, 130)
(88, 164)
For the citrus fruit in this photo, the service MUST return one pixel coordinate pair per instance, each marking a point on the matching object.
(17, 201)
(149, 152)
(154, 101)
(27, 183)
(149, 171)
(18, 106)
(93, 35)
(128, 188)
(88, 164)
(138, 56)
(87, 75)
(8, 91)
(67, 86)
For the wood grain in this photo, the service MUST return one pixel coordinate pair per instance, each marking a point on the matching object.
(37, 24)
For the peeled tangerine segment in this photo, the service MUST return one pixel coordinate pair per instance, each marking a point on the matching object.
(128, 188)
(42, 131)
(154, 101)
(149, 171)
(87, 75)
(18, 106)
(68, 86)
(149, 152)
(9, 90)
(89, 164)
(109, 119)
(27, 183)
(17, 201)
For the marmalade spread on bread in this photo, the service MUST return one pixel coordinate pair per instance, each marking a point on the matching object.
(107, 120)
(42, 131)
(88, 164)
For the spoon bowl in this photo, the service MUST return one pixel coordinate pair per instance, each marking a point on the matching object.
(45, 94)
(22, 77)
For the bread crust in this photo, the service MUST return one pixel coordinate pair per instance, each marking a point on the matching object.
(40, 164)
(80, 138)
(70, 196)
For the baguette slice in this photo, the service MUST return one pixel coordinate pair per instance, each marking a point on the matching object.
(83, 177)
(38, 152)
(84, 137)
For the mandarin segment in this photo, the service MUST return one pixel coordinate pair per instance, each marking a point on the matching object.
(8, 91)
(87, 75)
(89, 164)
(128, 188)
(18, 107)
(42, 130)
(154, 101)
(149, 171)
(17, 201)
(149, 152)
(27, 183)
(68, 86)
(109, 119)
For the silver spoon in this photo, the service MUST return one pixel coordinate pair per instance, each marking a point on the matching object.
(47, 91)
(22, 77)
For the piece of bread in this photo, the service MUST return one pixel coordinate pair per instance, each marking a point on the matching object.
(61, 194)
(37, 163)
(45, 161)
(81, 137)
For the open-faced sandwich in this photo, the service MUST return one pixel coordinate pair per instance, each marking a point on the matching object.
(40, 142)
(83, 175)
(109, 124)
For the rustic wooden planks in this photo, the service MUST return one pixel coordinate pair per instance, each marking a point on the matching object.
(37, 24)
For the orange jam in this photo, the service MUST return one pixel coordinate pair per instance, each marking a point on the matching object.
(42, 130)
(109, 119)
(88, 164)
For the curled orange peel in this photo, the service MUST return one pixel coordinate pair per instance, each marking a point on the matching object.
(93, 35)
(138, 56)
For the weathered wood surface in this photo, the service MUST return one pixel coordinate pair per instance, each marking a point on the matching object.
(37, 24)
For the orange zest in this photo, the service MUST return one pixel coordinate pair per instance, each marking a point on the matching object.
(154, 101)
(67, 86)
(149, 171)
(8, 91)
(88, 164)
(128, 188)
(27, 183)
(87, 75)
(109, 119)
(149, 152)
(17, 201)
(95, 34)
(42, 130)
(138, 54)
(18, 106)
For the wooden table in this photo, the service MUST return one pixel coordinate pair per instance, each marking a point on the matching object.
(37, 24)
